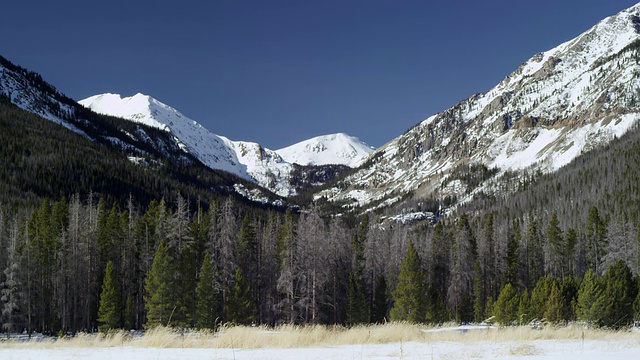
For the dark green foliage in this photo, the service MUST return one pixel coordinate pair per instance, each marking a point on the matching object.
(185, 284)
(596, 240)
(619, 291)
(472, 175)
(159, 287)
(129, 314)
(513, 256)
(357, 306)
(588, 294)
(524, 308)
(110, 311)
(241, 308)
(410, 293)
(208, 296)
(505, 309)
(540, 296)
(436, 310)
(554, 306)
(569, 288)
(556, 244)
(380, 301)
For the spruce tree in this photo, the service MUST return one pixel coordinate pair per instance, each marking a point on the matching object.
(208, 296)
(109, 313)
(588, 294)
(505, 309)
(539, 297)
(129, 316)
(357, 307)
(554, 305)
(618, 294)
(241, 309)
(596, 240)
(556, 244)
(158, 286)
(524, 308)
(513, 255)
(184, 298)
(380, 299)
(436, 311)
(409, 295)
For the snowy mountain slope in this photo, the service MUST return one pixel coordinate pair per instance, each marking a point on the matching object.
(22, 88)
(209, 148)
(245, 159)
(338, 148)
(27, 90)
(555, 106)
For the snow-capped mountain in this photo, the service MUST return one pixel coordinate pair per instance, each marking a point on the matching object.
(555, 106)
(271, 169)
(334, 149)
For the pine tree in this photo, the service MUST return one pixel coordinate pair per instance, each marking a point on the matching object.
(479, 295)
(158, 286)
(539, 296)
(208, 296)
(588, 294)
(409, 295)
(618, 294)
(109, 313)
(357, 307)
(554, 305)
(463, 260)
(436, 311)
(380, 300)
(129, 314)
(184, 298)
(569, 288)
(505, 309)
(556, 245)
(596, 240)
(524, 308)
(10, 288)
(241, 308)
(513, 256)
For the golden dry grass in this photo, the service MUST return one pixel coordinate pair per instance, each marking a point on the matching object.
(288, 336)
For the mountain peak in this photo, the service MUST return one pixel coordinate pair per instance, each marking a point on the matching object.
(245, 159)
(555, 106)
(338, 148)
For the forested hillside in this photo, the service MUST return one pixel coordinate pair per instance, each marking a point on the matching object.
(105, 223)
(94, 241)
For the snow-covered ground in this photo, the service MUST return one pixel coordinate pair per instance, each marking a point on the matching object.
(530, 350)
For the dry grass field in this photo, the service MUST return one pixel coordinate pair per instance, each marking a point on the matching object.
(291, 336)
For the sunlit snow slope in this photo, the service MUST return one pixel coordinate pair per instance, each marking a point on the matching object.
(328, 149)
(271, 169)
(558, 104)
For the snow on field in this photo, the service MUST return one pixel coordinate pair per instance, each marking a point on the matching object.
(531, 350)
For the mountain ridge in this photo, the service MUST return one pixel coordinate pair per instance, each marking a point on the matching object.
(558, 104)
(248, 160)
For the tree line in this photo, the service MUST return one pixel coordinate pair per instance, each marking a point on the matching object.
(82, 265)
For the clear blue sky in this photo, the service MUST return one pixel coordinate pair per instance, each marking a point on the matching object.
(277, 72)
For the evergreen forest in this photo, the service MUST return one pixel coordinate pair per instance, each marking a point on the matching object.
(91, 241)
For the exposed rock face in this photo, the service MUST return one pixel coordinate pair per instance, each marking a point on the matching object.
(556, 105)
